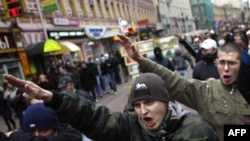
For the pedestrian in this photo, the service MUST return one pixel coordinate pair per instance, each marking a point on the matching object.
(44, 82)
(87, 80)
(218, 100)
(41, 123)
(67, 85)
(206, 67)
(180, 60)
(160, 59)
(154, 117)
(6, 98)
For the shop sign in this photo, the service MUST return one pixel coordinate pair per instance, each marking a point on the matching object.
(66, 21)
(6, 41)
(143, 22)
(96, 32)
(66, 34)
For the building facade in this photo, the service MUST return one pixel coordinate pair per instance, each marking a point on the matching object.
(90, 25)
(175, 16)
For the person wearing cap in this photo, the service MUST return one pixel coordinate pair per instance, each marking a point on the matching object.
(41, 123)
(206, 67)
(153, 118)
(160, 59)
(218, 100)
(180, 60)
(66, 85)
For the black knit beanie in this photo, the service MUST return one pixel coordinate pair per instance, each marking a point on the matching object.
(38, 116)
(149, 86)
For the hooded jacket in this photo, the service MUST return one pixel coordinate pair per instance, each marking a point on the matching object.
(160, 59)
(100, 124)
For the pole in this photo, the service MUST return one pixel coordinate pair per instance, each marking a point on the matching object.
(41, 19)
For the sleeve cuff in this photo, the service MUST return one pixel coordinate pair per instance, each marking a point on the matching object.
(56, 101)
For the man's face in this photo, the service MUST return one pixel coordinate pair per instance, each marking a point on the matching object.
(152, 112)
(44, 132)
(228, 65)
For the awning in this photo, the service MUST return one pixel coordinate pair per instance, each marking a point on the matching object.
(67, 47)
(42, 47)
(111, 32)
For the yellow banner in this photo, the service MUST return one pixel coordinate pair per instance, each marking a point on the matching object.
(48, 2)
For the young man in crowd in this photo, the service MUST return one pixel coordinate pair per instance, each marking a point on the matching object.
(154, 117)
(41, 124)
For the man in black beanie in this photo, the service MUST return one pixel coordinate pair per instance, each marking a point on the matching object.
(41, 123)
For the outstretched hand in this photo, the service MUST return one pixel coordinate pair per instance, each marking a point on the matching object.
(29, 88)
(130, 47)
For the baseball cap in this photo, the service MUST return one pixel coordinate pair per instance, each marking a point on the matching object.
(208, 44)
(196, 39)
(149, 86)
(64, 81)
(248, 32)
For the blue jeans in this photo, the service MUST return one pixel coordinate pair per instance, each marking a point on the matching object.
(98, 87)
(183, 73)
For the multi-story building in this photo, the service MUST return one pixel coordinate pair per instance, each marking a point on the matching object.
(203, 14)
(176, 16)
(89, 25)
(227, 10)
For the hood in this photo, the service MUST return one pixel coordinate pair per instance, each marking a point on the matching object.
(158, 53)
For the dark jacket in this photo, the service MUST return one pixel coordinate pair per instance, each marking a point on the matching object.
(100, 124)
(206, 68)
(160, 59)
(244, 77)
(179, 61)
(65, 133)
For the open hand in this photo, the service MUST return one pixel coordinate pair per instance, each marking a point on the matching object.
(129, 46)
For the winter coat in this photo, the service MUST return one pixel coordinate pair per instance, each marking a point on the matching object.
(179, 61)
(100, 124)
(206, 68)
(244, 77)
(218, 103)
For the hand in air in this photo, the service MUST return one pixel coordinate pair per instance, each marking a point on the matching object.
(129, 46)
(29, 88)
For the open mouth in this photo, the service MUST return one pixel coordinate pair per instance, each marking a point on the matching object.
(148, 121)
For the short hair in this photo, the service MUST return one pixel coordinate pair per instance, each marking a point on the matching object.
(230, 47)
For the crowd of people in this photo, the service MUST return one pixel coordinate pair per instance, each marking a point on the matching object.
(217, 90)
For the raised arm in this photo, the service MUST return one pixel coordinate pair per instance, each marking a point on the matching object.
(29, 88)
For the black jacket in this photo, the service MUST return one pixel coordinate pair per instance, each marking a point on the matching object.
(65, 133)
(244, 77)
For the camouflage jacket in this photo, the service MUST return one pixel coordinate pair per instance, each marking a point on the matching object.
(100, 124)
(219, 104)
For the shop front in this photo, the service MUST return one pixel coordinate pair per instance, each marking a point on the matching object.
(13, 59)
